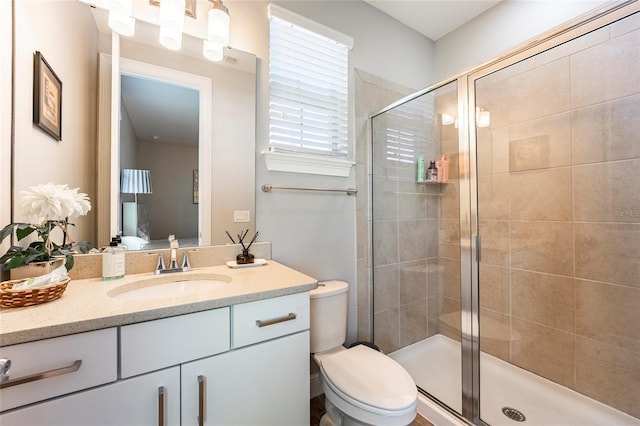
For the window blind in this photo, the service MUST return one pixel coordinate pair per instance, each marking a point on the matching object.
(308, 91)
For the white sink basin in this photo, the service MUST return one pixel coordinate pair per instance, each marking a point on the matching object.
(169, 286)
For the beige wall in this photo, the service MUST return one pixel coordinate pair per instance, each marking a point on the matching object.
(171, 208)
(6, 27)
(38, 157)
(560, 215)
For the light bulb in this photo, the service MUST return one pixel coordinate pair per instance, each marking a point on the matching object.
(171, 23)
(120, 19)
(212, 51)
(218, 25)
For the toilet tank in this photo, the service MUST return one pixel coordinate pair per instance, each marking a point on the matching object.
(328, 328)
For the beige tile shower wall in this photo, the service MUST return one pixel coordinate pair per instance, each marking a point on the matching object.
(559, 191)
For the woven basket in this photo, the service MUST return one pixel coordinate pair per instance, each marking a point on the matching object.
(10, 298)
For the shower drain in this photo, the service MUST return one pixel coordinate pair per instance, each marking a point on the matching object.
(513, 414)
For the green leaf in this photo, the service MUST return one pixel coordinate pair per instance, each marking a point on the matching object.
(13, 262)
(24, 230)
(69, 263)
(6, 231)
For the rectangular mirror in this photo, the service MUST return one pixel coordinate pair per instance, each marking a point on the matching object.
(75, 40)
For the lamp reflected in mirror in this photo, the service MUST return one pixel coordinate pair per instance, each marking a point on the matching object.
(135, 220)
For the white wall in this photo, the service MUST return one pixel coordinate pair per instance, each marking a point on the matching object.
(315, 232)
(500, 29)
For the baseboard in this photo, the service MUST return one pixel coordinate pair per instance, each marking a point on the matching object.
(316, 385)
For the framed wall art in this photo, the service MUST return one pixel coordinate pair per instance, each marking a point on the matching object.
(47, 98)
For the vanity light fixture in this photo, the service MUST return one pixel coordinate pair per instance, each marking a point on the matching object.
(120, 19)
(217, 31)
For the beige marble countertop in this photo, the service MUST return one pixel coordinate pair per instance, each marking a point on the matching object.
(86, 304)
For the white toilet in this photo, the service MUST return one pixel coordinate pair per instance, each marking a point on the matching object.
(361, 385)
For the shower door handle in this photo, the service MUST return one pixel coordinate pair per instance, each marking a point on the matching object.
(478, 247)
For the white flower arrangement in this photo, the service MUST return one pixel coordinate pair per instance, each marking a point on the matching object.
(48, 206)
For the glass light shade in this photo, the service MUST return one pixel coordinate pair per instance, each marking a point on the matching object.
(171, 23)
(212, 51)
(120, 19)
(218, 27)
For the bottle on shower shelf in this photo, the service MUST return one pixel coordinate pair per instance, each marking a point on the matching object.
(443, 169)
(432, 172)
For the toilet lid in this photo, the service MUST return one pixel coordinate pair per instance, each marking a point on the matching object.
(370, 377)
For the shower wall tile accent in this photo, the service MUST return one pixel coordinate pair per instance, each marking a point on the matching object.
(542, 246)
(496, 202)
(529, 203)
(413, 279)
(543, 298)
(496, 289)
(607, 192)
(413, 317)
(609, 374)
(496, 333)
(608, 252)
(621, 329)
(543, 350)
(605, 131)
(540, 92)
(560, 215)
(592, 78)
(540, 143)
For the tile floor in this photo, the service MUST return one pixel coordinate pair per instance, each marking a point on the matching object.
(317, 410)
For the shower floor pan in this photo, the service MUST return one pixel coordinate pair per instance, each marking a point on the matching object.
(434, 364)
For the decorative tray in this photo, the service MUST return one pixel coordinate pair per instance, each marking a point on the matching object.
(256, 262)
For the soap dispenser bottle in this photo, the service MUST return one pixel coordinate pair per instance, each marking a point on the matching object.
(113, 260)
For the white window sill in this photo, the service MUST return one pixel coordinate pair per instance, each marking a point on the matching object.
(305, 163)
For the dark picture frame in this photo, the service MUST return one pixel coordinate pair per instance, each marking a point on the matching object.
(47, 98)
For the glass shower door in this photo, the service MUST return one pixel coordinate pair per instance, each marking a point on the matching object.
(416, 248)
(558, 178)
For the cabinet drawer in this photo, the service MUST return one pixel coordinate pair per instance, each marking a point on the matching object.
(267, 319)
(97, 351)
(153, 345)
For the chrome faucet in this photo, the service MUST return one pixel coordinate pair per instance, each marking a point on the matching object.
(173, 263)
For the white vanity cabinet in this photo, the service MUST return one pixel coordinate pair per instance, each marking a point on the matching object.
(247, 364)
(264, 380)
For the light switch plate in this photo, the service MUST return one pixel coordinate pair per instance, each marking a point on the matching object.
(241, 216)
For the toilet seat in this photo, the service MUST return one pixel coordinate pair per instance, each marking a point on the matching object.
(370, 380)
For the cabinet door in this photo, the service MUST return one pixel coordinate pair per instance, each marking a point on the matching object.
(136, 401)
(264, 384)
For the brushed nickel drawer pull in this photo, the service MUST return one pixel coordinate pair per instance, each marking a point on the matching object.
(264, 323)
(201, 383)
(161, 400)
(44, 375)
